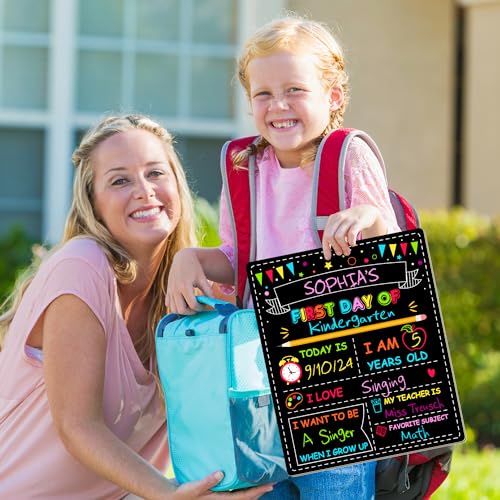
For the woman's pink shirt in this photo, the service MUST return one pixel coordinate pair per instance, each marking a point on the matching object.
(33, 459)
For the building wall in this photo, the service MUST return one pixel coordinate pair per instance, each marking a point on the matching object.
(482, 107)
(400, 57)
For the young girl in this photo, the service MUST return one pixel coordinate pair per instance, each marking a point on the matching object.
(293, 73)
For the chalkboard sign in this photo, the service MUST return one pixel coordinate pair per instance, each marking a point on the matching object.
(356, 353)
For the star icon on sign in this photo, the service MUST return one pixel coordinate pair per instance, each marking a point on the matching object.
(328, 265)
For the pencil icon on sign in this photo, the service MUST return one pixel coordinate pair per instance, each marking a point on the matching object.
(354, 331)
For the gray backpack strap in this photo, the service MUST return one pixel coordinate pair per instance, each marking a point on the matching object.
(239, 190)
(252, 214)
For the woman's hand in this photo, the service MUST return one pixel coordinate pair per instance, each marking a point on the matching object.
(342, 229)
(201, 489)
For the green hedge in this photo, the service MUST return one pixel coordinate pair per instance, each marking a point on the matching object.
(207, 217)
(15, 255)
(465, 253)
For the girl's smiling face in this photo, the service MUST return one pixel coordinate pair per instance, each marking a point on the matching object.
(289, 103)
(135, 190)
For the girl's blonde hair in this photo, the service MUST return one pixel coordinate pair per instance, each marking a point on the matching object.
(294, 34)
(82, 222)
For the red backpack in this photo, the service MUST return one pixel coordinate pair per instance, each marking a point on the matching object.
(411, 476)
(328, 194)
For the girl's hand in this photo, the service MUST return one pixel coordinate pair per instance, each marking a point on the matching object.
(191, 269)
(342, 228)
(186, 274)
(201, 489)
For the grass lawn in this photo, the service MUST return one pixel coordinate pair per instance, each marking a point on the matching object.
(473, 476)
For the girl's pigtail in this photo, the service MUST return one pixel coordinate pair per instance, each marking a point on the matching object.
(336, 120)
(240, 158)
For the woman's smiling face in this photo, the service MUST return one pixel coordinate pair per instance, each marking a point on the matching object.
(135, 191)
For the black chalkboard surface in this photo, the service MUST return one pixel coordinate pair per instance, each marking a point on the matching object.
(356, 353)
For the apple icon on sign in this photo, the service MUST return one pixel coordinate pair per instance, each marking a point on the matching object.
(414, 337)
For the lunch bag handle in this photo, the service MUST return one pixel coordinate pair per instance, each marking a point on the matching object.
(221, 306)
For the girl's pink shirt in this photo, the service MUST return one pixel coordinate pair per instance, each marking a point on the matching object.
(283, 202)
(34, 461)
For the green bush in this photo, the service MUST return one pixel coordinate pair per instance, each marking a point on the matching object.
(465, 253)
(207, 223)
(16, 254)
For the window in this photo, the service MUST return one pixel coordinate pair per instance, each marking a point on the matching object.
(24, 66)
(201, 160)
(24, 55)
(21, 179)
(26, 16)
(168, 58)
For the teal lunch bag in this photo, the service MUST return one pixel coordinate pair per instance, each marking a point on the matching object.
(219, 408)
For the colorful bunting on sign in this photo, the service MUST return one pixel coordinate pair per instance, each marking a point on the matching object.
(279, 269)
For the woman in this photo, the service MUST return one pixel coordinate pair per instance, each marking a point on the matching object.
(81, 413)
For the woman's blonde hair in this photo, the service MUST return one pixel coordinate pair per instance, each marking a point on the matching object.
(82, 222)
(294, 34)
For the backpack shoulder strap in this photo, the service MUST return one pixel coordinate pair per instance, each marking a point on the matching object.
(239, 189)
(327, 194)
(406, 213)
(327, 197)
(329, 181)
(328, 175)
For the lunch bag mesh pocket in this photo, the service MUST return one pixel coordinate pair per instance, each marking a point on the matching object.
(257, 446)
(247, 368)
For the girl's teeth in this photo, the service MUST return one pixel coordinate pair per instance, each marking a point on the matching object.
(145, 213)
(285, 124)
